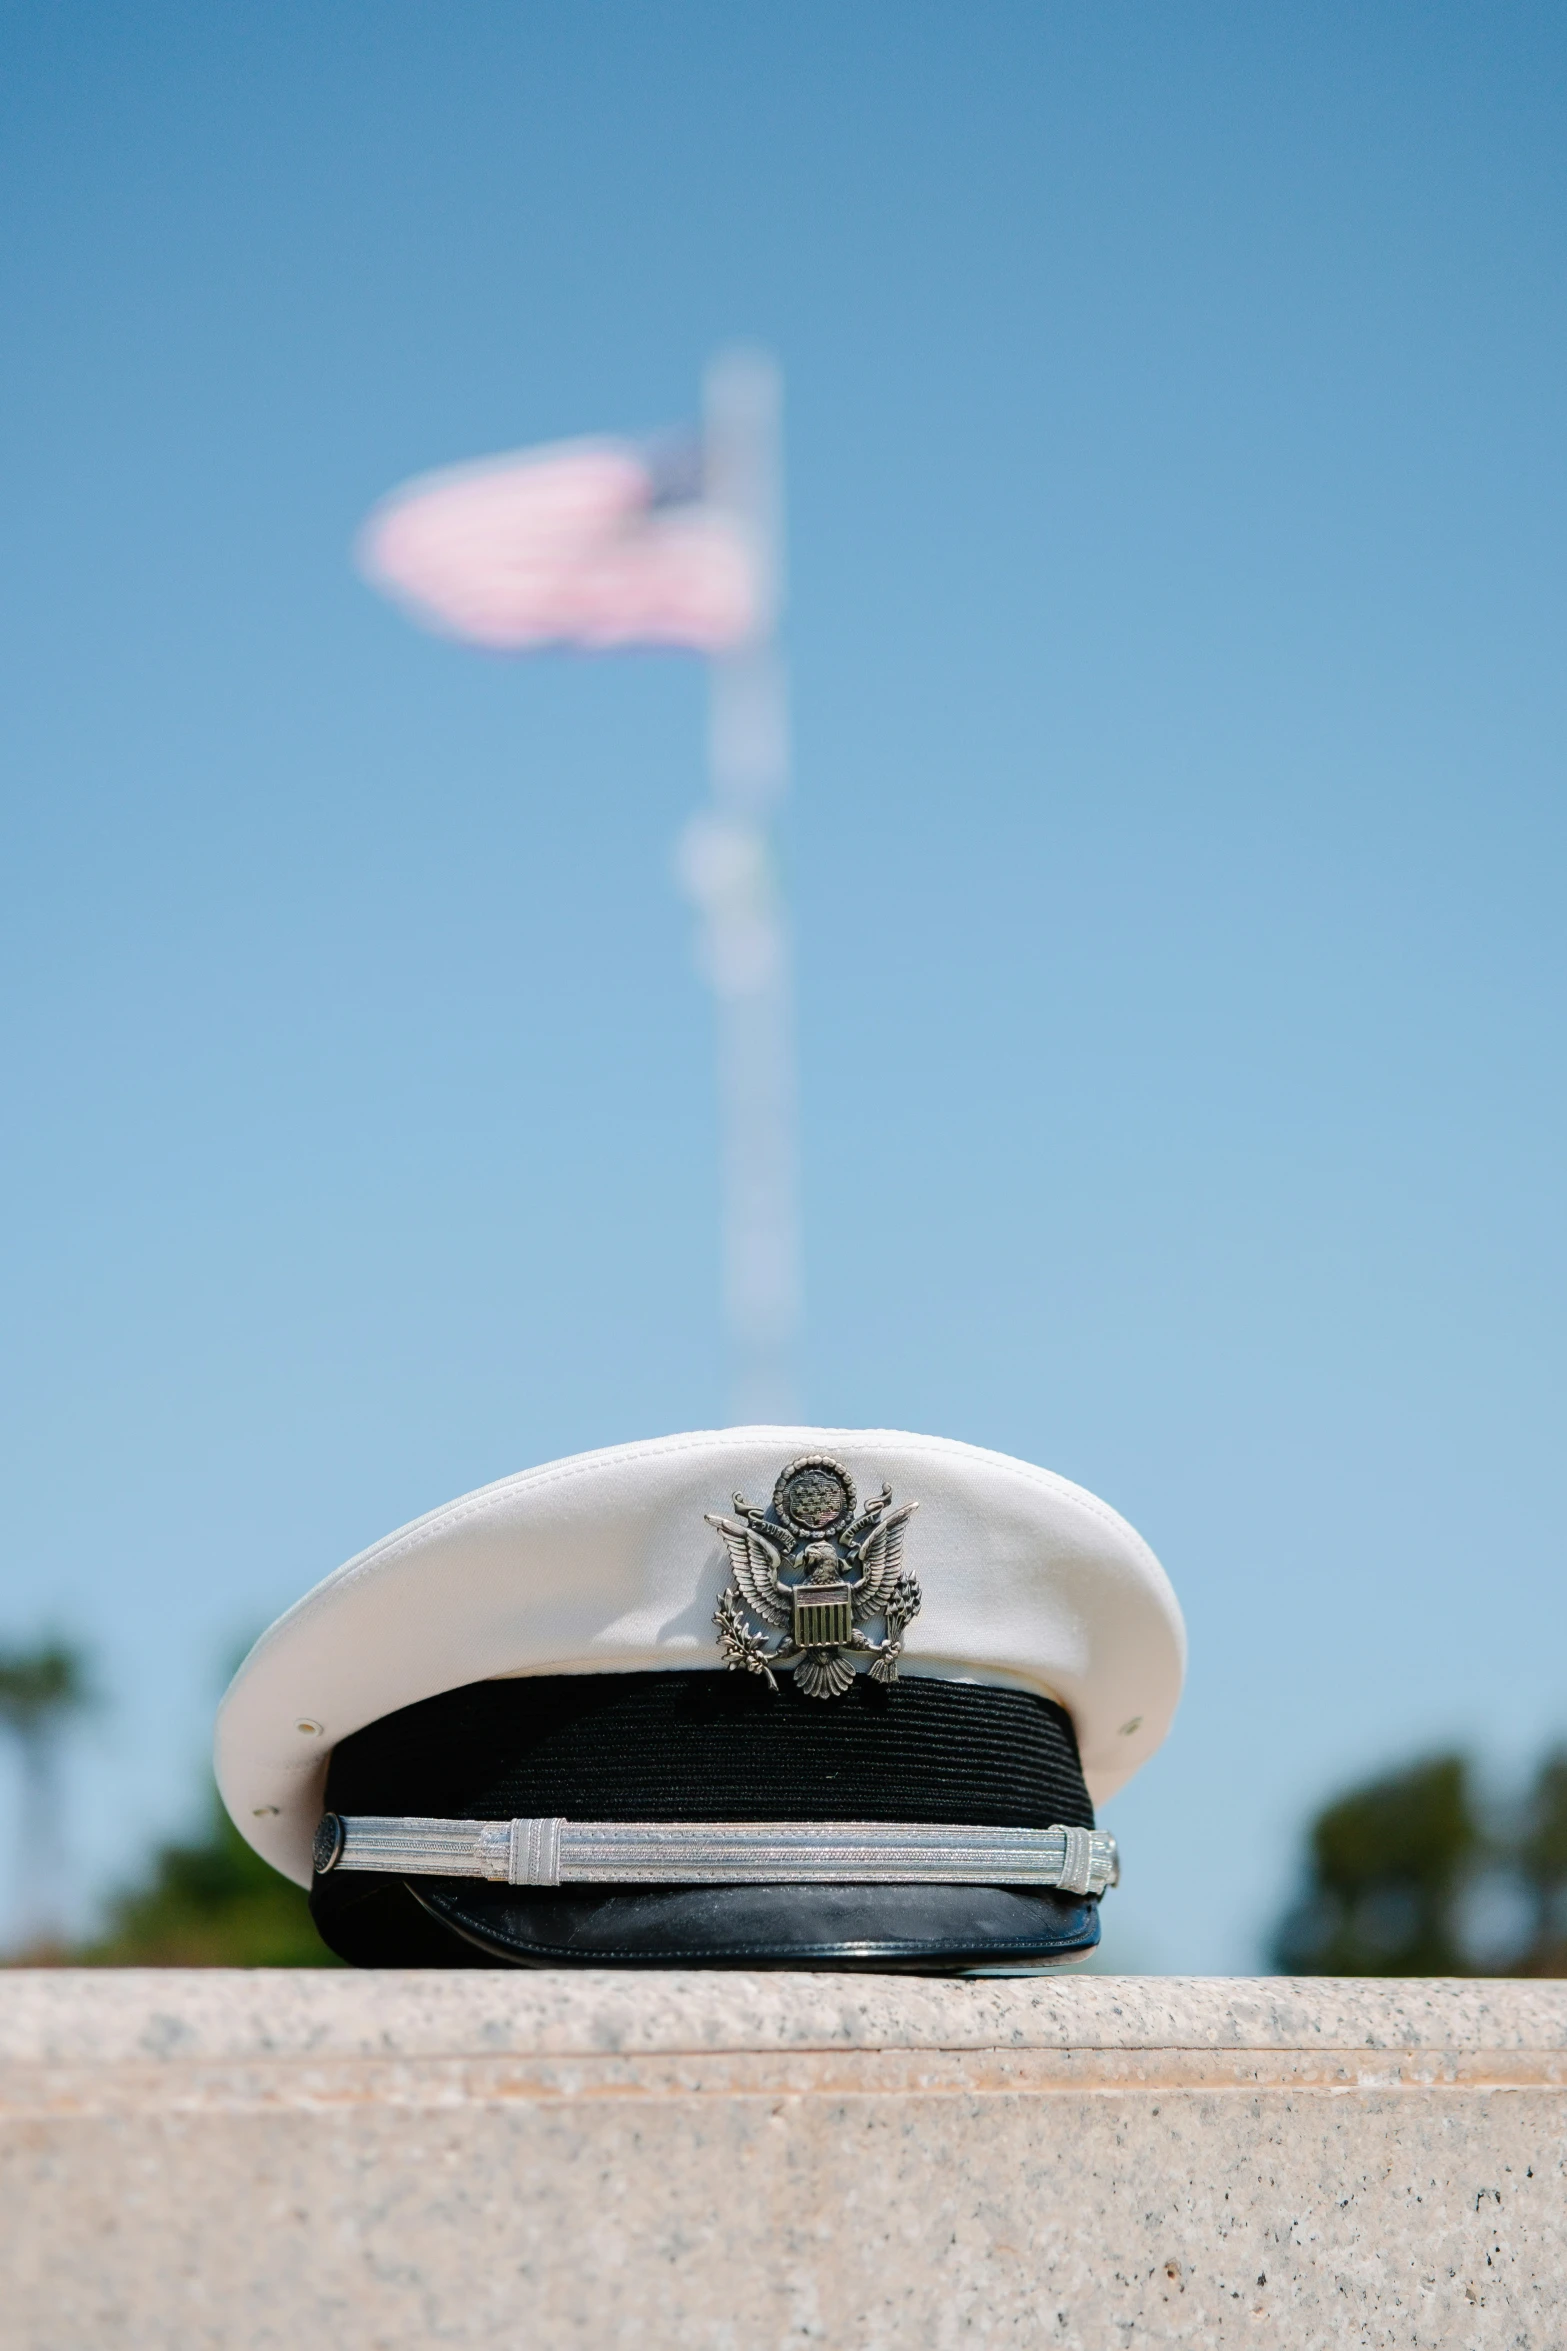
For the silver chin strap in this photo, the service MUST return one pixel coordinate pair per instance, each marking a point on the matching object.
(717, 1852)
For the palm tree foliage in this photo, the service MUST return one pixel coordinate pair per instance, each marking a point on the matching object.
(40, 1689)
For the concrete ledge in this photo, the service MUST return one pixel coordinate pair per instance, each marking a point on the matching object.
(253, 2159)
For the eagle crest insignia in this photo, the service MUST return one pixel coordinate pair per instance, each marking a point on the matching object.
(814, 1568)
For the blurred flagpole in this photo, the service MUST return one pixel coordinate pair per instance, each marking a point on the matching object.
(728, 867)
(597, 544)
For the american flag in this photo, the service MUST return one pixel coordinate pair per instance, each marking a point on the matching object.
(571, 544)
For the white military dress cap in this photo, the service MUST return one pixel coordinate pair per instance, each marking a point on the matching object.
(751, 1696)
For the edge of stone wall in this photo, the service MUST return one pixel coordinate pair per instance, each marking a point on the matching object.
(75, 2016)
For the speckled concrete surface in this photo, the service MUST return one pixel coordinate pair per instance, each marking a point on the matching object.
(370, 2163)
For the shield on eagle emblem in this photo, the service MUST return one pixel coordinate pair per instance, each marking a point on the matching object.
(814, 1569)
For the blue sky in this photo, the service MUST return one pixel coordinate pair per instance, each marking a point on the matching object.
(1176, 510)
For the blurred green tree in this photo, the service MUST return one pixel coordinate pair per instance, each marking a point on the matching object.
(1410, 1875)
(1386, 1865)
(1542, 1860)
(210, 1903)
